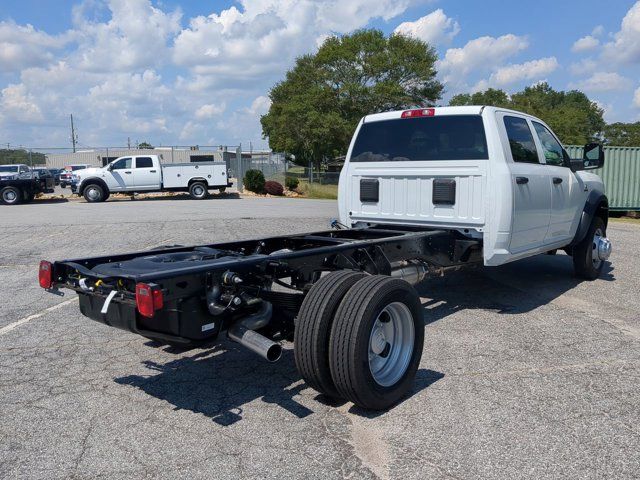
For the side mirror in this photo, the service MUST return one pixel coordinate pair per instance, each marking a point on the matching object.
(593, 156)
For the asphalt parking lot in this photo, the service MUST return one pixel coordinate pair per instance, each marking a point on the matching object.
(526, 372)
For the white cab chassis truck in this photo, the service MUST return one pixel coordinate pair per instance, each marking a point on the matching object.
(145, 173)
(422, 192)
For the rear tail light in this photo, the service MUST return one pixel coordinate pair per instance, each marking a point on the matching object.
(148, 299)
(420, 112)
(45, 274)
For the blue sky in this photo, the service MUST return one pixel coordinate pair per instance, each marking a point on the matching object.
(193, 72)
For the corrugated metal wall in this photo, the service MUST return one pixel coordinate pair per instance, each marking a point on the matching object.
(621, 175)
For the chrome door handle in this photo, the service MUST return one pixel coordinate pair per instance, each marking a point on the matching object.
(522, 180)
(557, 180)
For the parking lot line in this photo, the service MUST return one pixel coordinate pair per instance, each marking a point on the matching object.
(6, 329)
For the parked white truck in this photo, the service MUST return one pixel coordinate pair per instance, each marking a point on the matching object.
(422, 192)
(145, 173)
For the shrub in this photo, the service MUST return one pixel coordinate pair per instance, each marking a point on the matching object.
(274, 188)
(291, 183)
(254, 181)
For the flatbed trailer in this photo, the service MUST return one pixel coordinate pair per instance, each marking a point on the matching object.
(253, 289)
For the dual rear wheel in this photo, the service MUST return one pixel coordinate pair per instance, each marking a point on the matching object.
(360, 338)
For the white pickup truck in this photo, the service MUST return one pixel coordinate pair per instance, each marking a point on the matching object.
(145, 173)
(422, 192)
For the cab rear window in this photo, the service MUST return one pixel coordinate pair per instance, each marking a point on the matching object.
(453, 137)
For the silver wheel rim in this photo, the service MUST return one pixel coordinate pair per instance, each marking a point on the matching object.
(198, 191)
(9, 196)
(595, 256)
(391, 344)
(93, 193)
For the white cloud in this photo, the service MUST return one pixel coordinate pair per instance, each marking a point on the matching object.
(135, 37)
(478, 55)
(603, 82)
(585, 44)
(435, 28)
(236, 47)
(532, 70)
(636, 98)
(585, 66)
(597, 31)
(22, 46)
(209, 111)
(625, 48)
(18, 104)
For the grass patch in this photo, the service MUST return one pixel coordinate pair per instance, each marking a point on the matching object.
(625, 220)
(316, 190)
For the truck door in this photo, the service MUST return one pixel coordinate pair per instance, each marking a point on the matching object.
(146, 176)
(566, 189)
(121, 175)
(530, 184)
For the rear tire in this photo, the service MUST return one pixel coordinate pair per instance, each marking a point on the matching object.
(376, 342)
(313, 329)
(198, 191)
(11, 195)
(94, 193)
(584, 264)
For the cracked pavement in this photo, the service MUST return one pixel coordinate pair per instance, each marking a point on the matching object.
(526, 372)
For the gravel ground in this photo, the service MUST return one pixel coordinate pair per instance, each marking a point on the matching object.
(526, 372)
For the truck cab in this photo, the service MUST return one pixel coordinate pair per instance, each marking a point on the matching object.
(490, 173)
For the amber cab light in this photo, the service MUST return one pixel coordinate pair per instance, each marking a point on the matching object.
(45, 274)
(420, 112)
(148, 299)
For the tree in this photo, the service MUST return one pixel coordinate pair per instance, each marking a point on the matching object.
(8, 157)
(145, 145)
(492, 96)
(316, 108)
(571, 115)
(622, 134)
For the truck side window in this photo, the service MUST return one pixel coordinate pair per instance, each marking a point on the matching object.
(144, 162)
(553, 153)
(523, 148)
(122, 164)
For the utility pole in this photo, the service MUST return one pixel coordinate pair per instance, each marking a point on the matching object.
(128, 143)
(74, 139)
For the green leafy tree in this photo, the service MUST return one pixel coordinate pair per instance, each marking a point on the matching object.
(492, 96)
(316, 108)
(145, 145)
(623, 134)
(571, 115)
(8, 157)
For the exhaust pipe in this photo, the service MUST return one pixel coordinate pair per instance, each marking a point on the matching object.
(413, 272)
(267, 349)
(243, 333)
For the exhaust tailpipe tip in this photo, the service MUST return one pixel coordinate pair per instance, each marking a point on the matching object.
(257, 343)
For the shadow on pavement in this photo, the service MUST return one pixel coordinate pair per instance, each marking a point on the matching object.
(514, 288)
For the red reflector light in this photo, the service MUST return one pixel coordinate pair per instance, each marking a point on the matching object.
(148, 300)
(420, 112)
(45, 274)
